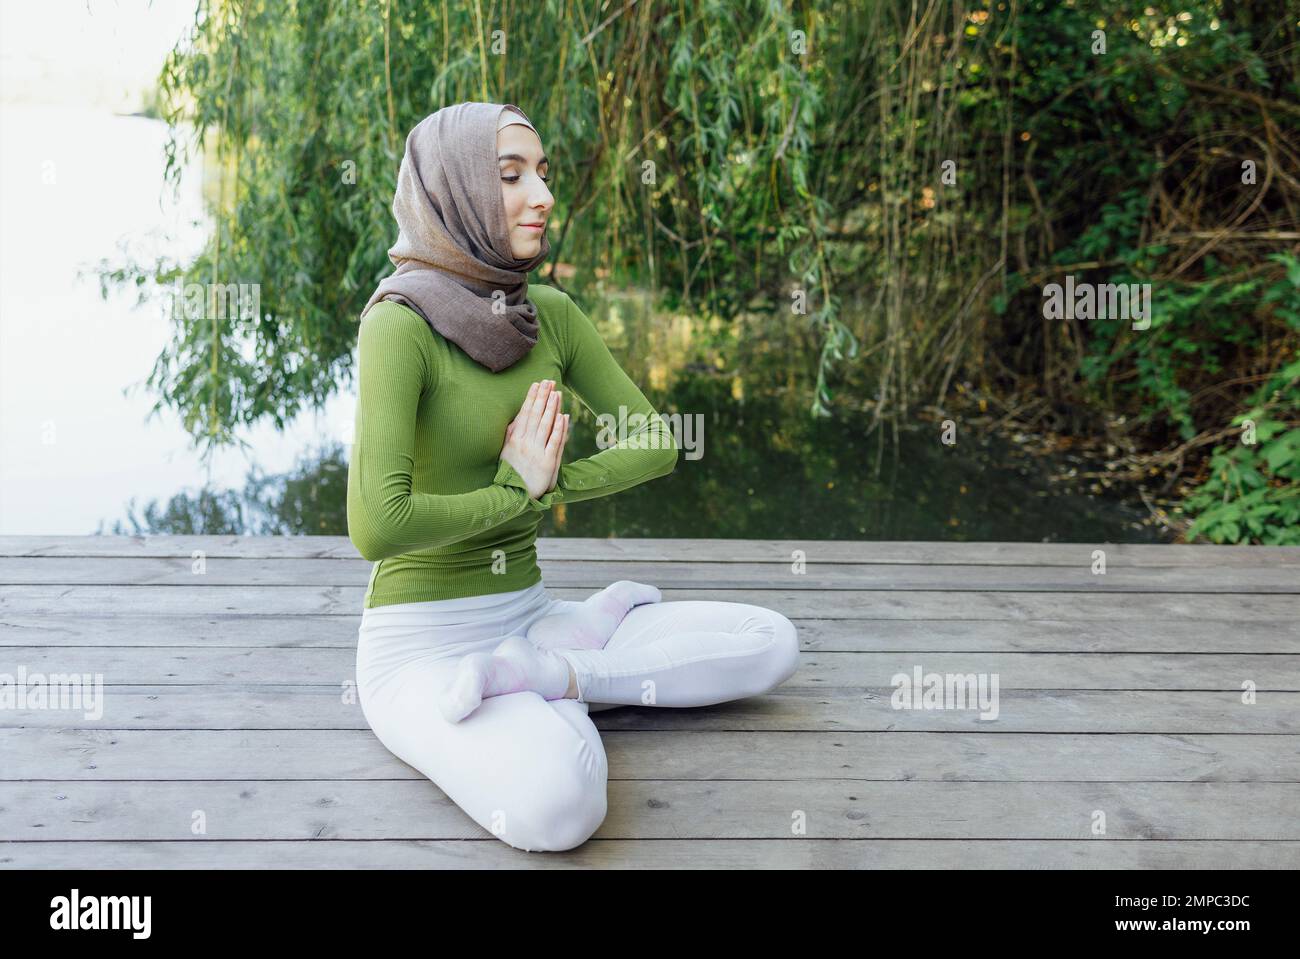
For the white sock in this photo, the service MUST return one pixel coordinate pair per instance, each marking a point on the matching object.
(592, 624)
(513, 666)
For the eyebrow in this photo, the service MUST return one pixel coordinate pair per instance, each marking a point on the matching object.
(516, 156)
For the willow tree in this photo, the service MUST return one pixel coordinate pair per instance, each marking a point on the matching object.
(710, 151)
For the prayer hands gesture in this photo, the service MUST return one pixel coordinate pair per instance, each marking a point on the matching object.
(535, 438)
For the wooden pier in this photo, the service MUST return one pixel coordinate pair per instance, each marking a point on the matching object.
(1148, 715)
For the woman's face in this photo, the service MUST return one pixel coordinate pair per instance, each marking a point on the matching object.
(524, 171)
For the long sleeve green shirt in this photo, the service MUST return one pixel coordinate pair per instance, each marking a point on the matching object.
(430, 501)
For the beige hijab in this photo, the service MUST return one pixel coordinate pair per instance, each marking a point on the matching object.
(453, 258)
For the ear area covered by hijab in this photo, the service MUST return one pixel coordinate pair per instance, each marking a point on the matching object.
(453, 261)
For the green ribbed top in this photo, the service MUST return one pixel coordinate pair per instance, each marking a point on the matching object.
(430, 501)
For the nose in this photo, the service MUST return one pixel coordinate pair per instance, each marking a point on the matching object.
(541, 200)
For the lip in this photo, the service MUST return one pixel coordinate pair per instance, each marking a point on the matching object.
(533, 226)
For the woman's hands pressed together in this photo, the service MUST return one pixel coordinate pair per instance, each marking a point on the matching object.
(535, 438)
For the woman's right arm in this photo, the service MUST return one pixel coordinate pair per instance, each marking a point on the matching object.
(386, 517)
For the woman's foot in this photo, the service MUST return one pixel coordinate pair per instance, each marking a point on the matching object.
(512, 667)
(592, 623)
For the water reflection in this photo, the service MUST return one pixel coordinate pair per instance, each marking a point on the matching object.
(768, 471)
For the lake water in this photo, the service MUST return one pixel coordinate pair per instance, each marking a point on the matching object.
(76, 441)
(754, 465)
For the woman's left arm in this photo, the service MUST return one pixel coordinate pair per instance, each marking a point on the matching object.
(646, 448)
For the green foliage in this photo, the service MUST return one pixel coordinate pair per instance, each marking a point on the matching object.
(1138, 169)
(1253, 492)
(917, 173)
(1196, 329)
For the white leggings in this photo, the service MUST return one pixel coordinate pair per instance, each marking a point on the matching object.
(533, 772)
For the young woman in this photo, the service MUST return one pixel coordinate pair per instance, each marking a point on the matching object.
(467, 668)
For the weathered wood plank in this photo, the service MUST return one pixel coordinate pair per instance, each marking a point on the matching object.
(825, 604)
(262, 573)
(659, 809)
(788, 708)
(688, 549)
(124, 754)
(252, 630)
(658, 854)
(1151, 733)
(190, 666)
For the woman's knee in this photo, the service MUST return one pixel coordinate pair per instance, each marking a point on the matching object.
(560, 812)
(557, 788)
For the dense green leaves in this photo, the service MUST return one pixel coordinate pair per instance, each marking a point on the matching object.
(914, 174)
